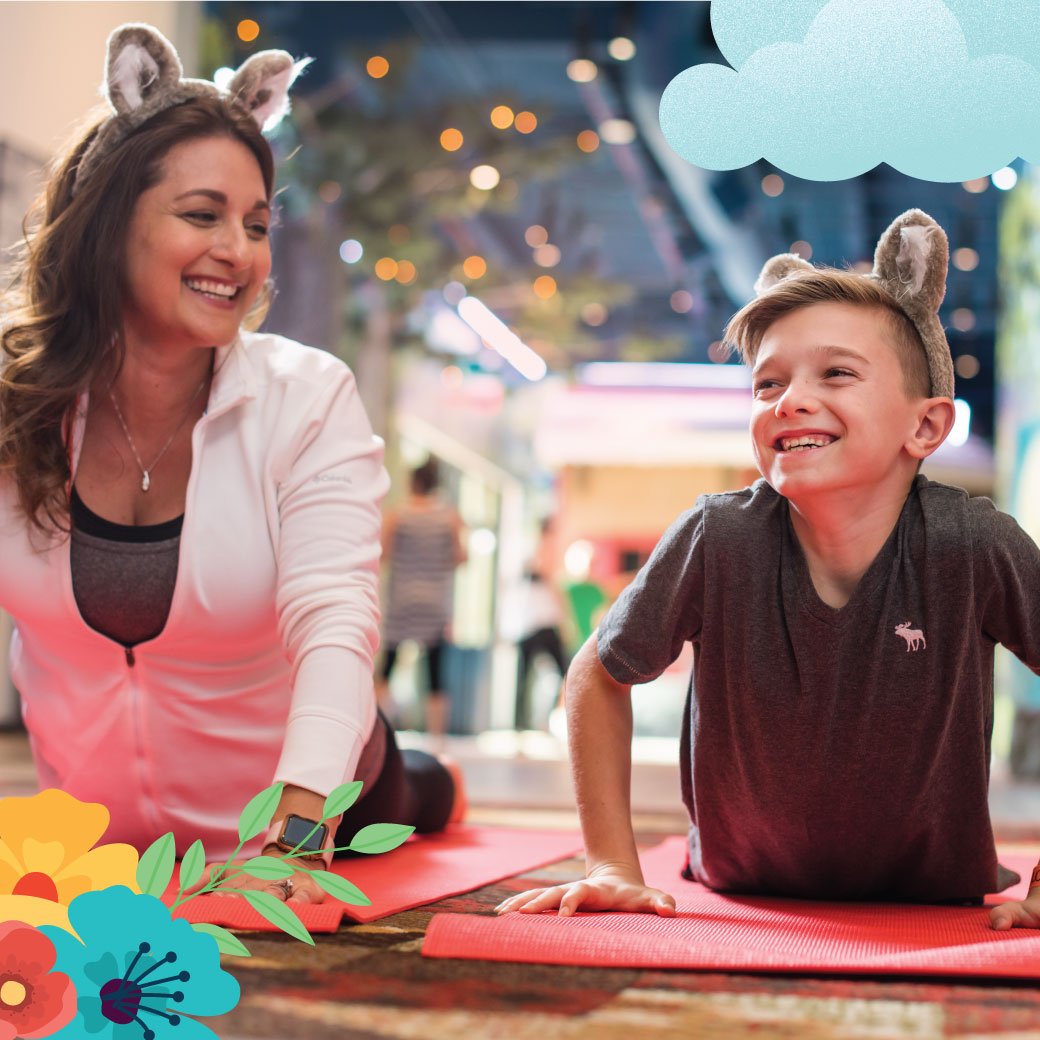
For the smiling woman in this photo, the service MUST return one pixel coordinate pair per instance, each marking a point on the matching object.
(189, 510)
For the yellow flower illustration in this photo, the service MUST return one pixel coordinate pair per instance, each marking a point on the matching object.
(47, 857)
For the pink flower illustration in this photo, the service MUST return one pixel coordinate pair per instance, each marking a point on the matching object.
(34, 1001)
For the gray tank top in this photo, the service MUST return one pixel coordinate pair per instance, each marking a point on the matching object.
(123, 576)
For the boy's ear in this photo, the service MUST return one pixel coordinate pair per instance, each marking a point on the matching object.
(935, 421)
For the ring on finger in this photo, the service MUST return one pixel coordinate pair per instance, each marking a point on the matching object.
(286, 885)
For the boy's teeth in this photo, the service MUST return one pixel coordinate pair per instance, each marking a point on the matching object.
(213, 288)
(810, 441)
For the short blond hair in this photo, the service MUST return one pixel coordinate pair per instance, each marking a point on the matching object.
(800, 289)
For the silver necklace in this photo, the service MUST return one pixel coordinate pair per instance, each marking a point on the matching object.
(146, 471)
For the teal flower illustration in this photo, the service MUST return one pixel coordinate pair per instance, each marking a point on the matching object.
(139, 973)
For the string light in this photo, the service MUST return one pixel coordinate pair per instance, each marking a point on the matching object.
(581, 70)
(247, 30)
(406, 272)
(536, 236)
(501, 117)
(588, 140)
(474, 267)
(617, 131)
(351, 251)
(621, 48)
(547, 255)
(772, 185)
(681, 301)
(965, 259)
(377, 66)
(386, 268)
(451, 139)
(544, 287)
(526, 122)
(801, 248)
(484, 177)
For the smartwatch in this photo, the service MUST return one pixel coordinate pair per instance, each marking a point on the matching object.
(292, 831)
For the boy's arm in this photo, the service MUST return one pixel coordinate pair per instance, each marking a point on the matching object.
(1025, 913)
(599, 726)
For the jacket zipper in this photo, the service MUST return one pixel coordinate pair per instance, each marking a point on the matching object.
(130, 659)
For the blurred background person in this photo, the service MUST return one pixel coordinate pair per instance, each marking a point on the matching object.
(422, 544)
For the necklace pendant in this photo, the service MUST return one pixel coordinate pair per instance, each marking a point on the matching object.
(146, 481)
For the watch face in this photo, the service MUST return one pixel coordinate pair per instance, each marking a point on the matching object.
(296, 830)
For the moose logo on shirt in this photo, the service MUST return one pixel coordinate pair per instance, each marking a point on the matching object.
(914, 636)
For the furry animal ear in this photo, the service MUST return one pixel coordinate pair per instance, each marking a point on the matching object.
(778, 268)
(140, 64)
(911, 260)
(261, 85)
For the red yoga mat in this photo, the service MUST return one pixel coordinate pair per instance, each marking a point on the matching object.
(714, 932)
(423, 870)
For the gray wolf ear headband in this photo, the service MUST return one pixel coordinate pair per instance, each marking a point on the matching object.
(910, 264)
(144, 76)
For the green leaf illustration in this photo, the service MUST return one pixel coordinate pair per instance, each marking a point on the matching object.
(226, 942)
(340, 888)
(278, 914)
(267, 867)
(256, 816)
(192, 865)
(340, 800)
(380, 837)
(155, 868)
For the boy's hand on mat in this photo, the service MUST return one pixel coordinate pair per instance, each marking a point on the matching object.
(599, 891)
(297, 889)
(1024, 913)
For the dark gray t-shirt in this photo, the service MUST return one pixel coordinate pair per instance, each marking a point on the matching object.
(835, 753)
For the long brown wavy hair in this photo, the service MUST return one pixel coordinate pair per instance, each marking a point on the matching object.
(62, 317)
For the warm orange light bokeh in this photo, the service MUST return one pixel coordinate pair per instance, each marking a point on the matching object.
(386, 268)
(377, 66)
(474, 266)
(544, 287)
(501, 117)
(526, 122)
(451, 139)
(406, 272)
(588, 140)
(247, 30)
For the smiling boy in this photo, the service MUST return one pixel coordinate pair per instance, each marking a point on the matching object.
(843, 612)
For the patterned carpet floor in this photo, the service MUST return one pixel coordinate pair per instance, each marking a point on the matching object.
(371, 981)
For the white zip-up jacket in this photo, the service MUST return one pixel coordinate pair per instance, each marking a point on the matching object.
(264, 668)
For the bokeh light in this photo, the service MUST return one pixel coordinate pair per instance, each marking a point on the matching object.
(452, 377)
(772, 185)
(484, 177)
(544, 287)
(581, 70)
(386, 268)
(717, 352)
(547, 255)
(681, 301)
(979, 184)
(399, 234)
(965, 259)
(801, 248)
(351, 251)
(501, 117)
(617, 131)
(474, 266)
(247, 30)
(377, 66)
(451, 139)
(329, 191)
(967, 366)
(1005, 178)
(594, 314)
(536, 236)
(406, 272)
(588, 140)
(526, 122)
(963, 319)
(454, 293)
(621, 48)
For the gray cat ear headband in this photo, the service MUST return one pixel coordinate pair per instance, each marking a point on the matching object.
(144, 76)
(910, 264)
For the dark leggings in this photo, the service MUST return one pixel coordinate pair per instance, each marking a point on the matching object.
(412, 788)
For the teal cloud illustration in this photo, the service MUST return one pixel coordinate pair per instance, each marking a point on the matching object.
(828, 90)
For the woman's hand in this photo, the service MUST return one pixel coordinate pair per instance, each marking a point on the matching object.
(602, 891)
(1021, 913)
(300, 888)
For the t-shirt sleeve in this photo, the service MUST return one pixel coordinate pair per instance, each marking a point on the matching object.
(644, 631)
(1007, 580)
